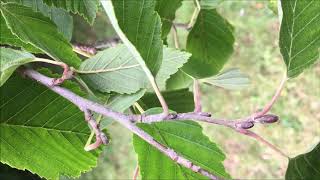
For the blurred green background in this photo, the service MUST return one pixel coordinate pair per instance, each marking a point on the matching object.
(257, 54)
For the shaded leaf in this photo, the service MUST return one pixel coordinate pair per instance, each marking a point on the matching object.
(120, 103)
(210, 4)
(187, 139)
(305, 166)
(179, 100)
(179, 80)
(139, 28)
(211, 43)
(300, 35)
(86, 8)
(10, 60)
(232, 79)
(41, 131)
(59, 16)
(167, 10)
(38, 30)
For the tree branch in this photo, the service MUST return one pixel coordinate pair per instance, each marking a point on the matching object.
(125, 120)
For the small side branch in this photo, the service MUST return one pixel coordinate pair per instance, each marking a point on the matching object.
(197, 96)
(101, 138)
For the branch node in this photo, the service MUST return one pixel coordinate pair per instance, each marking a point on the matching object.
(244, 125)
(67, 74)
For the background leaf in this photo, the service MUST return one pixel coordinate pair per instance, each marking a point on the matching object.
(210, 4)
(179, 100)
(10, 61)
(187, 139)
(167, 10)
(232, 79)
(139, 28)
(305, 166)
(40, 31)
(41, 131)
(210, 42)
(179, 80)
(86, 8)
(300, 35)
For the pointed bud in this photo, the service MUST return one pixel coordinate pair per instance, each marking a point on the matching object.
(268, 118)
(245, 125)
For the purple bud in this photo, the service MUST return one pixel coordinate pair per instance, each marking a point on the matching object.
(268, 118)
(245, 125)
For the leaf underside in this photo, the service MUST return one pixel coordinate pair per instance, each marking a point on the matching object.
(42, 132)
(300, 35)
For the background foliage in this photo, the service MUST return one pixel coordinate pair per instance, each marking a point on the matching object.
(257, 52)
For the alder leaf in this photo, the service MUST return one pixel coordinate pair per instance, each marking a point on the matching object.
(139, 28)
(178, 100)
(232, 79)
(115, 69)
(179, 80)
(38, 30)
(172, 60)
(59, 16)
(43, 132)
(167, 10)
(86, 8)
(10, 60)
(210, 42)
(7, 38)
(187, 139)
(300, 35)
(305, 166)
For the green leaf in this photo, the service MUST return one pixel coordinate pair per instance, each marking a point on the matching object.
(232, 79)
(10, 39)
(300, 35)
(187, 139)
(120, 103)
(59, 16)
(139, 28)
(41, 131)
(210, 4)
(179, 80)
(305, 166)
(40, 31)
(179, 100)
(167, 10)
(115, 69)
(10, 61)
(211, 43)
(172, 60)
(86, 8)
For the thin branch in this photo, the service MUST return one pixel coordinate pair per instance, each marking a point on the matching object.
(195, 14)
(267, 108)
(125, 120)
(136, 173)
(262, 140)
(84, 50)
(175, 36)
(197, 96)
(67, 73)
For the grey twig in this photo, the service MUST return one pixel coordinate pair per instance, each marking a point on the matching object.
(125, 120)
